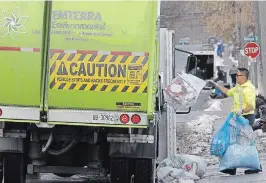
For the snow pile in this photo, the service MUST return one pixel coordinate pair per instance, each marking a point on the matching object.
(215, 105)
(195, 137)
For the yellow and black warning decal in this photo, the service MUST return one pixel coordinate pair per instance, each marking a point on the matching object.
(99, 72)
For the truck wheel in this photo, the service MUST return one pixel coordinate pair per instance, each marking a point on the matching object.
(144, 171)
(119, 170)
(14, 168)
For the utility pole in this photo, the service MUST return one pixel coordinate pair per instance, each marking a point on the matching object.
(259, 68)
(243, 33)
(262, 36)
(238, 37)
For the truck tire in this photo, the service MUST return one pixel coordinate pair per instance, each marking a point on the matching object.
(119, 170)
(144, 171)
(14, 168)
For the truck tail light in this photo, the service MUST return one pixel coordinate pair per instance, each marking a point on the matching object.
(135, 119)
(124, 118)
(1, 112)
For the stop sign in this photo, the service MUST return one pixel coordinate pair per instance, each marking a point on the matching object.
(252, 50)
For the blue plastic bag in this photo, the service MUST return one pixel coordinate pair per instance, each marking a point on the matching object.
(242, 151)
(218, 92)
(239, 156)
(221, 140)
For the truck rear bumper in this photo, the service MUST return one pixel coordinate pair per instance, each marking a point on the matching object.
(93, 117)
(19, 113)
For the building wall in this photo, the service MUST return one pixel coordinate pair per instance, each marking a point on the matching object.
(184, 18)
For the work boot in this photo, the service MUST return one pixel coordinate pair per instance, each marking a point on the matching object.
(220, 97)
(253, 171)
(229, 171)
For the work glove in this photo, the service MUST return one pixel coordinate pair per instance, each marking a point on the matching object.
(212, 83)
(239, 113)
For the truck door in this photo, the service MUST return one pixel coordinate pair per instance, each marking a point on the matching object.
(191, 64)
(100, 63)
(21, 42)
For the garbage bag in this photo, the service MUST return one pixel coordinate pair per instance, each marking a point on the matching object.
(183, 91)
(221, 140)
(242, 151)
(241, 132)
(168, 175)
(240, 156)
(181, 166)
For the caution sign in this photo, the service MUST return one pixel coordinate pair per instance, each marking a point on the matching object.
(113, 73)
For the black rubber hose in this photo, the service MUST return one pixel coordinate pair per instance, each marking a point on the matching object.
(48, 144)
(72, 144)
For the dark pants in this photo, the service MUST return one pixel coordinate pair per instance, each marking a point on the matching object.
(233, 77)
(250, 118)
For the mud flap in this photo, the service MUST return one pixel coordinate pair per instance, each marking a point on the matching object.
(143, 171)
(126, 170)
(119, 170)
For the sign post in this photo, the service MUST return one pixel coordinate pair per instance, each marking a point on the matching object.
(252, 50)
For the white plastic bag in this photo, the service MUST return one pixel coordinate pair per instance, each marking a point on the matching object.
(183, 91)
(181, 166)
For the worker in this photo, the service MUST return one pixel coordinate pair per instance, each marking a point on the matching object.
(232, 73)
(222, 78)
(220, 49)
(221, 74)
(244, 95)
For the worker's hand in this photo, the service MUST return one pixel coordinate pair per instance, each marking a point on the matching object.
(212, 83)
(239, 113)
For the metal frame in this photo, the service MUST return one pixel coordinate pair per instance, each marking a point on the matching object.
(171, 120)
(20, 113)
(31, 169)
(131, 138)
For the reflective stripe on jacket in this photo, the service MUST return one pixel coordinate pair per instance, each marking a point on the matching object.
(243, 95)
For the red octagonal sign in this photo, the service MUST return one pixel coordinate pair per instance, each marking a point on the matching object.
(252, 50)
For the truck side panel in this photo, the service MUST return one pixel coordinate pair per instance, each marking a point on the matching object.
(102, 55)
(21, 25)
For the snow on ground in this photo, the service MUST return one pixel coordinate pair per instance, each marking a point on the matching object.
(195, 137)
(215, 105)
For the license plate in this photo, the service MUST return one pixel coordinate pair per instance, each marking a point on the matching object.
(105, 118)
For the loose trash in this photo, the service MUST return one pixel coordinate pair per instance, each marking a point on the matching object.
(194, 137)
(215, 105)
(260, 101)
(234, 144)
(183, 91)
(181, 166)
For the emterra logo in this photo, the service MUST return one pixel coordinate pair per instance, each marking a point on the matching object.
(12, 23)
